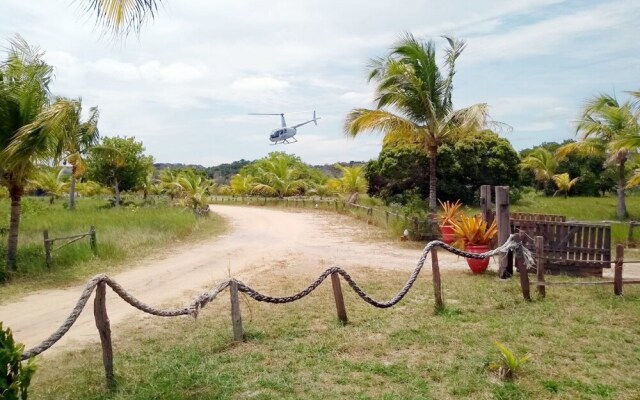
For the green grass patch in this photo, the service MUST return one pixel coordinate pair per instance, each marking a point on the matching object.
(583, 342)
(123, 235)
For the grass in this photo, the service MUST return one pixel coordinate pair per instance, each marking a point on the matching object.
(583, 342)
(123, 235)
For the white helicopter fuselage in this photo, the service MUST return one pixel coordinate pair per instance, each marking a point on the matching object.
(282, 134)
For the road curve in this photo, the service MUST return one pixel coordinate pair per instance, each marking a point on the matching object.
(258, 239)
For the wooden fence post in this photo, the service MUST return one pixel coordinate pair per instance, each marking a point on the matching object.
(102, 323)
(47, 249)
(504, 227)
(522, 271)
(337, 295)
(236, 318)
(437, 283)
(386, 217)
(92, 239)
(630, 242)
(617, 277)
(542, 291)
(485, 203)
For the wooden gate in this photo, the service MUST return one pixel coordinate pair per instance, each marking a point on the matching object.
(569, 247)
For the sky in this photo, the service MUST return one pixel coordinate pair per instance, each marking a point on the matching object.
(185, 85)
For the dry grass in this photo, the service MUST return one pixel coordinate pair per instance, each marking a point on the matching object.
(584, 343)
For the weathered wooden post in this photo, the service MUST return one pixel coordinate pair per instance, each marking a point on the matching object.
(504, 228)
(47, 248)
(437, 283)
(386, 217)
(236, 317)
(92, 239)
(630, 242)
(522, 271)
(617, 273)
(337, 295)
(542, 290)
(104, 329)
(485, 203)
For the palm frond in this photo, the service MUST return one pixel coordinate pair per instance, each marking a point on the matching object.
(122, 17)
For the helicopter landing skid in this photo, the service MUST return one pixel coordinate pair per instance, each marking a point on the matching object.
(286, 141)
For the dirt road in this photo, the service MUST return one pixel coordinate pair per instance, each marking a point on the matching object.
(258, 239)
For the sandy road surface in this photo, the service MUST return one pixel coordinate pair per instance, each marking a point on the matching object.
(258, 239)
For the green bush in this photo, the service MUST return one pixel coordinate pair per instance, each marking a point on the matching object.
(14, 383)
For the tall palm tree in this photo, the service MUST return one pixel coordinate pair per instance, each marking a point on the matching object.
(564, 183)
(195, 189)
(611, 128)
(543, 164)
(24, 95)
(79, 137)
(414, 102)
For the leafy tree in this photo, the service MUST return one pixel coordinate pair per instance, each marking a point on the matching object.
(125, 169)
(610, 128)
(411, 83)
(24, 95)
(480, 158)
(564, 183)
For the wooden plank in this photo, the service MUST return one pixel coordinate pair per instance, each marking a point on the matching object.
(337, 295)
(104, 329)
(599, 243)
(592, 241)
(540, 264)
(47, 249)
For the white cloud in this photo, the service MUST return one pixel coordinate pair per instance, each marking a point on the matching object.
(258, 84)
(115, 69)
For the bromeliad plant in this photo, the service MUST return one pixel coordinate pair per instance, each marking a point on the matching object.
(451, 212)
(473, 231)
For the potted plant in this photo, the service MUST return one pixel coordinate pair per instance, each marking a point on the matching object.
(474, 235)
(448, 218)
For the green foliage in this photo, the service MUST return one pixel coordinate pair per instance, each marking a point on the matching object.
(509, 364)
(4, 192)
(128, 172)
(352, 182)
(16, 376)
(480, 158)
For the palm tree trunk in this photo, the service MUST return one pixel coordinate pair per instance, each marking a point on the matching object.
(433, 200)
(622, 206)
(15, 193)
(72, 190)
(116, 186)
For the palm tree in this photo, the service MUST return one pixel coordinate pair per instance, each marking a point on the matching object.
(610, 128)
(49, 181)
(24, 95)
(242, 184)
(195, 189)
(543, 164)
(122, 16)
(79, 137)
(352, 182)
(169, 182)
(277, 177)
(414, 102)
(564, 183)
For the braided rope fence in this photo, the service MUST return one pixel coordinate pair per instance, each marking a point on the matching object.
(524, 261)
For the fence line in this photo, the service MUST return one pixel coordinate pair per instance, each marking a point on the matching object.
(48, 243)
(100, 282)
(418, 228)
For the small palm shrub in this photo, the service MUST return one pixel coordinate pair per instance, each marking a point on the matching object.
(509, 365)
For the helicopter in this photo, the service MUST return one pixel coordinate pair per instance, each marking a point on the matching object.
(285, 134)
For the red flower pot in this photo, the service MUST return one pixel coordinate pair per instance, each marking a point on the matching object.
(477, 266)
(447, 233)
